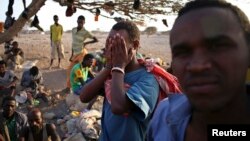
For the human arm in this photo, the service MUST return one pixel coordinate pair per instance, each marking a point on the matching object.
(81, 81)
(13, 83)
(38, 78)
(51, 131)
(93, 88)
(1, 137)
(91, 74)
(51, 33)
(61, 30)
(14, 80)
(23, 79)
(94, 40)
(8, 51)
(24, 134)
(120, 102)
(23, 128)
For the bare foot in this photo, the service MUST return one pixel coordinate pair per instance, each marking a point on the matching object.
(59, 66)
(50, 67)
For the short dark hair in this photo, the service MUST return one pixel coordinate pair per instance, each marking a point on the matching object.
(88, 57)
(15, 42)
(2, 62)
(33, 110)
(240, 15)
(8, 98)
(131, 28)
(55, 16)
(81, 17)
(34, 70)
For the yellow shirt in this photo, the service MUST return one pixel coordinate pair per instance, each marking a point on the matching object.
(78, 38)
(56, 32)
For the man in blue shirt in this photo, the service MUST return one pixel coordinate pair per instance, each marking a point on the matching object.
(208, 40)
(130, 91)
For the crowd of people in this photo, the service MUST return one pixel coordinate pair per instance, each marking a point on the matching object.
(208, 40)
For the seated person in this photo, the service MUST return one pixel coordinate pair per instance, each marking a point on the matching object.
(38, 130)
(7, 45)
(7, 81)
(32, 83)
(80, 74)
(31, 78)
(12, 122)
(15, 55)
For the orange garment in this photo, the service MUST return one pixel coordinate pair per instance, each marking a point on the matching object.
(1, 26)
(74, 60)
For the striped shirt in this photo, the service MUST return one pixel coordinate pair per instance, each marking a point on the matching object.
(78, 38)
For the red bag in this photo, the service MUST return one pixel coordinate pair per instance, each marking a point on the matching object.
(168, 83)
(70, 11)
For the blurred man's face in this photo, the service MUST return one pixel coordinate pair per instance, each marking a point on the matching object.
(89, 62)
(56, 19)
(210, 57)
(80, 23)
(123, 33)
(35, 122)
(9, 108)
(15, 45)
(2, 68)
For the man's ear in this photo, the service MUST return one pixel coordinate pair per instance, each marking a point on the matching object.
(136, 44)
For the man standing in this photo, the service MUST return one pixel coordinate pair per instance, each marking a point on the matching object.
(56, 32)
(38, 130)
(209, 40)
(12, 122)
(130, 91)
(79, 35)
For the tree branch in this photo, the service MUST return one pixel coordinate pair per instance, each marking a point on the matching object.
(33, 8)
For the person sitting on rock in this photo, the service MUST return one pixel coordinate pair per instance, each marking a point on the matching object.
(12, 122)
(38, 130)
(81, 74)
(7, 81)
(15, 55)
(32, 83)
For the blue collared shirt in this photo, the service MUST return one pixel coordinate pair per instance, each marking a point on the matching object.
(170, 120)
(143, 92)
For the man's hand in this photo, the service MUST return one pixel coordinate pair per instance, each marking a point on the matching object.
(121, 52)
(107, 53)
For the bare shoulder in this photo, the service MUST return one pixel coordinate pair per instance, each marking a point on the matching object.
(50, 126)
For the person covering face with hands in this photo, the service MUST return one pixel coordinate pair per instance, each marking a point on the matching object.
(130, 91)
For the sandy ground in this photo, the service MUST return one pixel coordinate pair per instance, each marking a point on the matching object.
(37, 47)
